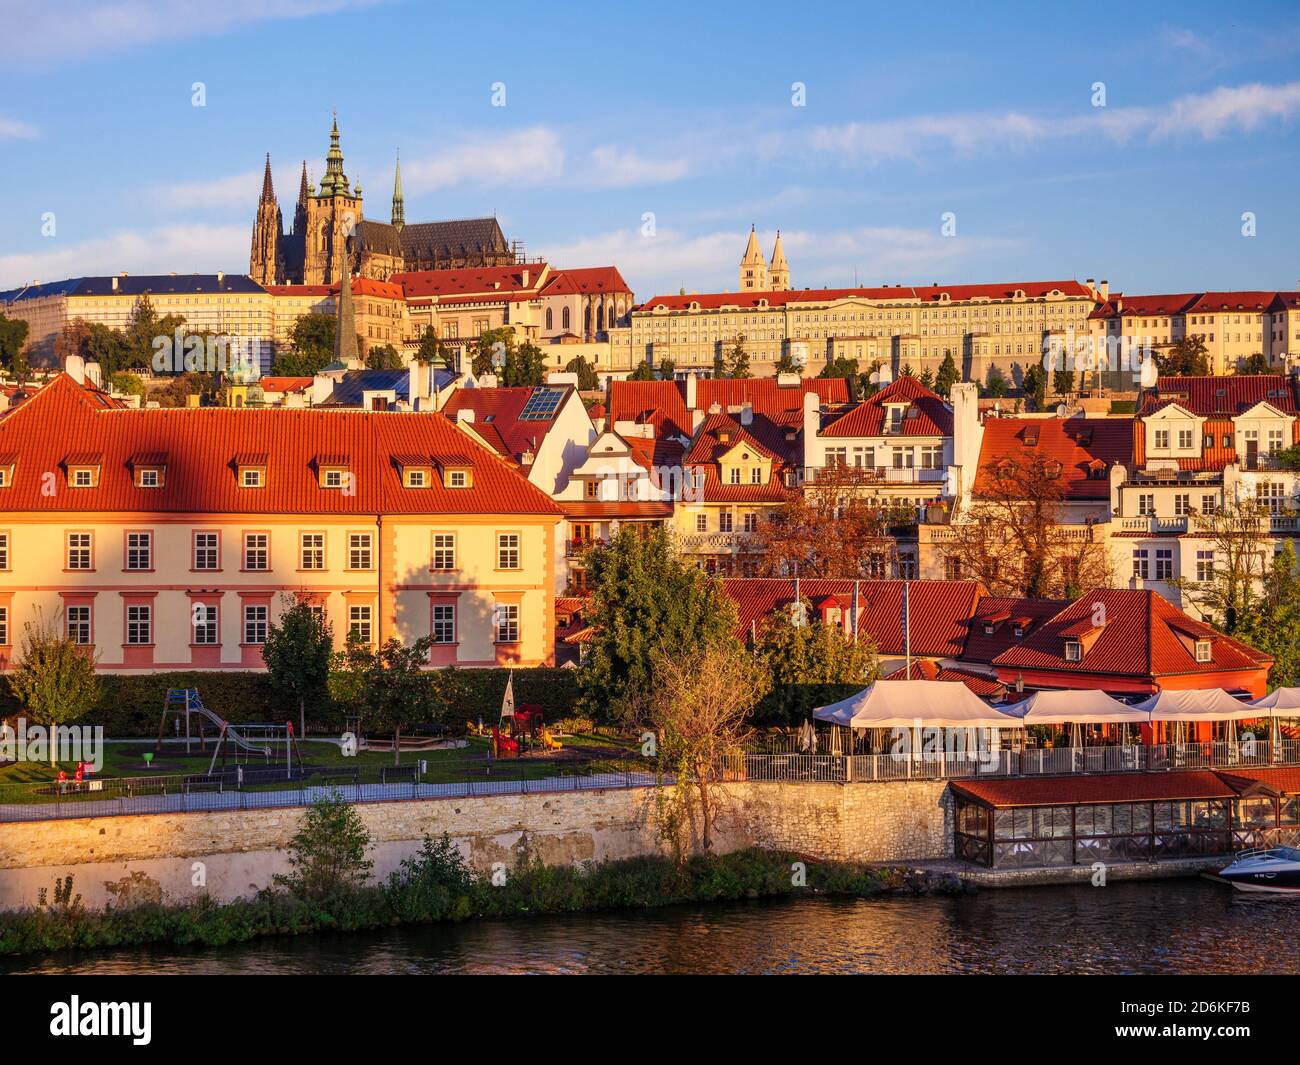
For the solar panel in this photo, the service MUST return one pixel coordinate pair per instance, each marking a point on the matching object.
(541, 405)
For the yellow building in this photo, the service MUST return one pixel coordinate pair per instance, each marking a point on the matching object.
(169, 539)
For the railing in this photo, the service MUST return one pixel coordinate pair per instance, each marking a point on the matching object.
(576, 548)
(877, 474)
(783, 761)
(249, 789)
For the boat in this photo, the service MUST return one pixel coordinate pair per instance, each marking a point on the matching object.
(1275, 870)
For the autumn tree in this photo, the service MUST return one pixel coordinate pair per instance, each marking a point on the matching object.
(1233, 587)
(1011, 537)
(809, 663)
(699, 699)
(833, 527)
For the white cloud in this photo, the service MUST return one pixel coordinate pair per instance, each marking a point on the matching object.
(239, 191)
(1207, 115)
(708, 262)
(532, 155)
(180, 248)
(12, 129)
(614, 167)
(1184, 39)
(77, 28)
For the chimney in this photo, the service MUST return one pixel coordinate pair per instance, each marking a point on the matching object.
(690, 390)
(75, 367)
(465, 416)
(221, 277)
(1092, 286)
(526, 276)
(811, 424)
(192, 400)
(1105, 289)
(747, 414)
(114, 284)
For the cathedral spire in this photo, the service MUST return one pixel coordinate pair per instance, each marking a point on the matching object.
(335, 182)
(268, 189)
(778, 273)
(399, 205)
(345, 335)
(303, 191)
(753, 270)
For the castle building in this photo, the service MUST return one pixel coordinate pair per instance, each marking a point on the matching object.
(329, 223)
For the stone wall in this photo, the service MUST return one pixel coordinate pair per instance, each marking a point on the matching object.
(229, 853)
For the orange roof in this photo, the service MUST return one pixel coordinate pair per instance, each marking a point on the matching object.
(926, 414)
(204, 445)
(932, 293)
(1076, 443)
(497, 416)
(925, 669)
(663, 403)
(1140, 638)
(1222, 395)
(284, 384)
(361, 286)
(490, 281)
(582, 281)
(939, 609)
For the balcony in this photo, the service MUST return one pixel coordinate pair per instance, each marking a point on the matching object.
(1154, 525)
(577, 548)
(879, 474)
(717, 543)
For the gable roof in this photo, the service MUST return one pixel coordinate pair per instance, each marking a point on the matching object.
(1078, 444)
(585, 280)
(489, 282)
(498, 416)
(938, 609)
(202, 446)
(1207, 396)
(888, 293)
(1140, 638)
(926, 414)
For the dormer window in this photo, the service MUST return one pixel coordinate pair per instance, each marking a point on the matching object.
(416, 479)
(7, 464)
(250, 471)
(416, 470)
(332, 479)
(148, 478)
(1073, 651)
(83, 471)
(1204, 652)
(458, 478)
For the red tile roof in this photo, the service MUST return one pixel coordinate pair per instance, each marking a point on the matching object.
(1140, 638)
(984, 686)
(361, 286)
(582, 281)
(1076, 443)
(1210, 302)
(203, 446)
(663, 403)
(939, 609)
(1005, 614)
(480, 280)
(496, 417)
(284, 384)
(1103, 788)
(929, 293)
(926, 415)
(619, 509)
(1221, 395)
(1144, 306)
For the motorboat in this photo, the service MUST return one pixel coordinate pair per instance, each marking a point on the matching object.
(1275, 870)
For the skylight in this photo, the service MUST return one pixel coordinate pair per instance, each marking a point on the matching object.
(541, 405)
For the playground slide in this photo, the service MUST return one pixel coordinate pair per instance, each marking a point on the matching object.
(189, 701)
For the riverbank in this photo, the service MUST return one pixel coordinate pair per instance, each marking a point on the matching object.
(437, 886)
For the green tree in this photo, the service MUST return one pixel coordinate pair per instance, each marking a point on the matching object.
(298, 651)
(1035, 385)
(643, 372)
(906, 370)
(127, 384)
(810, 663)
(433, 350)
(587, 379)
(667, 369)
(108, 347)
(312, 340)
(947, 376)
(927, 378)
(1253, 364)
(644, 598)
(786, 364)
(384, 358)
(327, 855)
(736, 360)
(996, 386)
(1187, 357)
(514, 364)
(1273, 622)
(13, 338)
(845, 368)
(143, 327)
(397, 693)
(54, 679)
(1063, 382)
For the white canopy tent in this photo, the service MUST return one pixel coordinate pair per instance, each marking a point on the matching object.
(1280, 701)
(1086, 707)
(908, 703)
(1204, 704)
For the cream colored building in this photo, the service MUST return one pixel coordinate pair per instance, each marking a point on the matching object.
(169, 539)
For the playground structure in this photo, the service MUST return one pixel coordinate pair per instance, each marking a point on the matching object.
(528, 732)
(250, 738)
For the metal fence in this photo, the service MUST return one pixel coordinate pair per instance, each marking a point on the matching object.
(252, 789)
(781, 760)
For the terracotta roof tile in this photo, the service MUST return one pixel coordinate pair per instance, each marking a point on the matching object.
(1076, 443)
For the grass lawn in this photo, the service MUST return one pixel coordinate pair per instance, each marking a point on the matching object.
(124, 759)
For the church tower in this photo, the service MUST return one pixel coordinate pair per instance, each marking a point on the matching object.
(265, 263)
(753, 271)
(333, 215)
(778, 274)
(399, 205)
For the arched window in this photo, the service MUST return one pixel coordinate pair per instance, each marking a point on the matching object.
(549, 322)
(564, 319)
(600, 317)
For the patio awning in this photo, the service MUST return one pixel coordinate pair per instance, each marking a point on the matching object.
(1086, 707)
(1281, 701)
(909, 703)
(1205, 704)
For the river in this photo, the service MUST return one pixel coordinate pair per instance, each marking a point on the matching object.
(1183, 926)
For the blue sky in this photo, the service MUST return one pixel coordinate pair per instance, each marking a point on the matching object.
(682, 111)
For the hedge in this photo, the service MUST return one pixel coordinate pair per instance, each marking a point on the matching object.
(132, 705)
